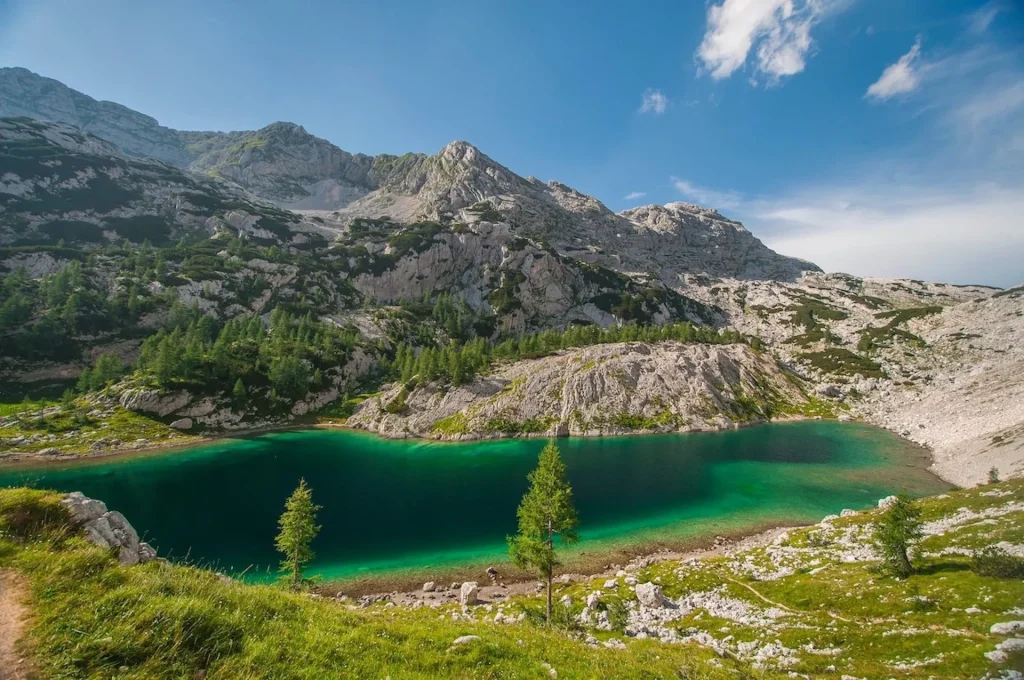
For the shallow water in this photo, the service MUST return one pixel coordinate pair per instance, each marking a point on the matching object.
(400, 505)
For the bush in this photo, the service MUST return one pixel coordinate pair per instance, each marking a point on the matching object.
(997, 563)
(397, 405)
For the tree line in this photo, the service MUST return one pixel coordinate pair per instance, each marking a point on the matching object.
(459, 362)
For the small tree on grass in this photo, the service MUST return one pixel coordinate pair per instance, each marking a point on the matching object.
(546, 510)
(898, 528)
(298, 529)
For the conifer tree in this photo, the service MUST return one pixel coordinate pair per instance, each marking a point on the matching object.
(546, 511)
(898, 528)
(298, 529)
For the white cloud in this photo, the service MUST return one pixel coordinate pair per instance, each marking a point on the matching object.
(979, 20)
(709, 198)
(654, 101)
(898, 78)
(634, 195)
(965, 234)
(779, 29)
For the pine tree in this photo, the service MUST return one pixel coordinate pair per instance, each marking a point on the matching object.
(546, 510)
(238, 392)
(899, 526)
(298, 529)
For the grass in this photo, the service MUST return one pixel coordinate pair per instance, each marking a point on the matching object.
(94, 618)
(839, 361)
(898, 316)
(73, 430)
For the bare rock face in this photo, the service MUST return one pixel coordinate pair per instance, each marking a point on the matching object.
(23, 93)
(602, 389)
(107, 529)
(152, 401)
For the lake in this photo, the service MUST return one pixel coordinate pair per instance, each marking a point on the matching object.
(394, 505)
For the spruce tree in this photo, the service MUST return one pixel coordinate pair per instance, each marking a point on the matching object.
(899, 526)
(546, 510)
(298, 529)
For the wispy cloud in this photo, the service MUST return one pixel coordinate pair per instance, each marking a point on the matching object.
(709, 198)
(634, 195)
(898, 78)
(901, 230)
(778, 31)
(654, 101)
(979, 20)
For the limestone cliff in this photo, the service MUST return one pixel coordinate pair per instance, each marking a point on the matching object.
(599, 390)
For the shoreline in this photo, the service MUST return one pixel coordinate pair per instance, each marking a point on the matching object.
(31, 459)
(599, 562)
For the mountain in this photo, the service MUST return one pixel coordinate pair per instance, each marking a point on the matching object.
(285, 164)
(23, 93)
(467, 299)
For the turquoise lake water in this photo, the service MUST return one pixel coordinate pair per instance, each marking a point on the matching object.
(414, 505)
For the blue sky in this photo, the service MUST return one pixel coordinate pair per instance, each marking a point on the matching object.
(878, 137)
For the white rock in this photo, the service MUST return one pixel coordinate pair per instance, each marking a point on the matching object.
(465, 639)
(429, 587)
(468, 593)
(650, 596)
(1007, 628)
(610, 584)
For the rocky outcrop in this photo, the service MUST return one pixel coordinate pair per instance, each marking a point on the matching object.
(23, 93)
(602, 389)
(153, 401)
(107, 529)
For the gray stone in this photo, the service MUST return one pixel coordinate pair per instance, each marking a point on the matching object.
(1007, 628)
(649, 595)
(465, 639)
(429, 587)
(468, 593)
(182, 424)
(82, 509)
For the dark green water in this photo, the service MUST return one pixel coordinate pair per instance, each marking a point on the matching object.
(395, 505)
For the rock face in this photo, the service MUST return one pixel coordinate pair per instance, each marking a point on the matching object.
(23, 93)
(603, 389)
(107, 529)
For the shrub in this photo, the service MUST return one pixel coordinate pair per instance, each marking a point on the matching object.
(997, 563)
(398, 405)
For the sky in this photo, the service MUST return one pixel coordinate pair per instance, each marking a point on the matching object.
(874, 137)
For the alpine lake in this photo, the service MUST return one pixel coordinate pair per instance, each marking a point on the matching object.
(414, 507)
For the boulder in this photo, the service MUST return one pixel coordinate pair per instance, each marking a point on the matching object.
(82, 509)
(611, 584)
(429, 587)
(108, 529)
(182, 424)
(151, 401)
(468, 593)
(465, 639)
(830, 391)
(650, 596)
(1007, 628)
(884, 503)
(594, 599)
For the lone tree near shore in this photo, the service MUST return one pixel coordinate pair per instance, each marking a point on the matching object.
(298, 529)
(898, 528)
(546, 510)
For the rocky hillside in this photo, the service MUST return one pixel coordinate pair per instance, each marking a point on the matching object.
(103, 246)
(602, 390)
(23, 93)
(285, 164)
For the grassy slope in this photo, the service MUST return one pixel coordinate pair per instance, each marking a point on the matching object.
(94, 618)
